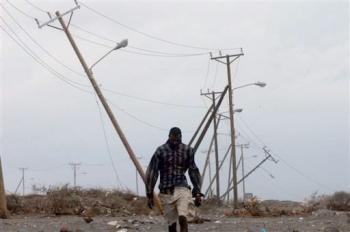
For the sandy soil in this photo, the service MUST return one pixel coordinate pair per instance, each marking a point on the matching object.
(323, 220)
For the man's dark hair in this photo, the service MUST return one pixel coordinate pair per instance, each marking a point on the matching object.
(175, 131)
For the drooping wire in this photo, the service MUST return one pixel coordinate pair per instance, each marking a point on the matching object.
(19, 10)
(63, 78)
(206, 74)
(152, 101)
(168, 54)
(35, 6)
(41, 47)
(141, 120)
(136, 118)
(29, 52)
(309, 178)
(160, 53)
(215, 76)
(109, 90)
(107, 144)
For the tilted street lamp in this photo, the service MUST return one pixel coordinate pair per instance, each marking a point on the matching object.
(259, 83)
(121, 44)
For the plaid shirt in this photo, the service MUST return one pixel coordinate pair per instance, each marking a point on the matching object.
(172, 166)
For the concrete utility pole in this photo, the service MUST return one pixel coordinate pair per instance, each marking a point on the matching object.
(100, 95)
(137, 182)
(22, 180)
(243, 146)
(212, 97)
(75, 166)
(227, 61)
(3, 204)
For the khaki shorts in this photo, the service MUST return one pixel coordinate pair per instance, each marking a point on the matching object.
(177, 204)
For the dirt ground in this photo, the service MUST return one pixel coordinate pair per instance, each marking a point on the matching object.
(322, 220)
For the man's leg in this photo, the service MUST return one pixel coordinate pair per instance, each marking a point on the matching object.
(184, 197)
(183, 224)
(172, 227)
(170, 213)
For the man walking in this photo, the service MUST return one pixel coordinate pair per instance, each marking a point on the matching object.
(171, 161)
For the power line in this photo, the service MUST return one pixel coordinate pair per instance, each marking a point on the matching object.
(206, 74)
(152, 101)
(19, 10)
(36, 7)
(140, 49)
(29, 52)
(288, 164)
(63, 79)
(107, 144)
(215, 75)
(81, 74)
(149, 35)
(160, 53)
(84, 85)
(41, 47)
(136, 118)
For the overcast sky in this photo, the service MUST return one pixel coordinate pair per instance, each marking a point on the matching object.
(299, 48)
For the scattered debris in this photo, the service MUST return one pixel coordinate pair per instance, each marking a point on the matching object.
(122, 230)
(64, 229)
(331, 229)
(114, 223)
(88, 219)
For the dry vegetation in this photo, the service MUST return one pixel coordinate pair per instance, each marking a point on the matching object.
(76, 201)
(68, 201)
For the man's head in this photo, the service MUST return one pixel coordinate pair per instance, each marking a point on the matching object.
(175, 136)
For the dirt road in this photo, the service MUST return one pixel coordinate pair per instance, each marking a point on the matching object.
(328, 221)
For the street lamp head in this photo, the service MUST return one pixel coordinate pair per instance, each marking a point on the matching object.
(239, 110)
(260, 84)
(121, 44)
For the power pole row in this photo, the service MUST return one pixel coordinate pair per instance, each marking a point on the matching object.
(212, 96)
(226, 60)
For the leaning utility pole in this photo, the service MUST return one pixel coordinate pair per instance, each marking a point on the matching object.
(268, 156)
(227, 61)
(3, 204)
(75, 167)
(100, 95)
(212, 97)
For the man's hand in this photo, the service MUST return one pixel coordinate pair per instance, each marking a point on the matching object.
(150, 202)
(198, 199)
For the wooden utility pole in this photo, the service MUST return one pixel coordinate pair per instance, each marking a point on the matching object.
(100, 95)
(227, 61)
(212, 97)
(105, 105)
(3, 203)
(215, 109)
